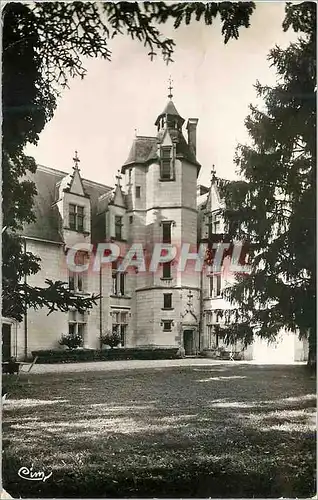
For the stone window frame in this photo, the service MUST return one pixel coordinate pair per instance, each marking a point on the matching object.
(76, 217)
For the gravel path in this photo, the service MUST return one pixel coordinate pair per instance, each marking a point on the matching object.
(132, 364)
(124, 365)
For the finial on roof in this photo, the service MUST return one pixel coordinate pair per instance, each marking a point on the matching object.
(76, 161)
(170, 95)
(118, 177)
(135, 132)
(213, 174)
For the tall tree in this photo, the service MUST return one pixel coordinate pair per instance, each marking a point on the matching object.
(273, 210)
(44, 44)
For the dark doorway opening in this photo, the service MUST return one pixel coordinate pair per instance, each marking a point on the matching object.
(188, 342)
(6, 342)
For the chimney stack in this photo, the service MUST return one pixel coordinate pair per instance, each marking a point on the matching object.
(192, 133)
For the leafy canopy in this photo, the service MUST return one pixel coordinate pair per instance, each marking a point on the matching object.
(273, 210)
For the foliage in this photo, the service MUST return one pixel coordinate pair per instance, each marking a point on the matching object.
(71, 341)
(273, 209)
(44, 45)
(112, 339)
(18, 295)
(86, 355)
(69, 31)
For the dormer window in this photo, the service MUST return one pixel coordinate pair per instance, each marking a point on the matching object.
(76, 218)
(213, 225)
(166, 163)
(118, 227)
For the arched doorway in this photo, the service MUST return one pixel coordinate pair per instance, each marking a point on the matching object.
(189, 328)
(189, 341)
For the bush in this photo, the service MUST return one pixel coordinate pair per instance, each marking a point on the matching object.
(221, 353)
(125, 353)
(111, 339)
(71, 341)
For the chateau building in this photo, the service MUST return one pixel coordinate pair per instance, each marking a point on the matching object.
(156, 199)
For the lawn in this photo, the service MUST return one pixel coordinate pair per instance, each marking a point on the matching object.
(229, 430)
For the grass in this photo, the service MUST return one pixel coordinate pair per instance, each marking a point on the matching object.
(230, 430)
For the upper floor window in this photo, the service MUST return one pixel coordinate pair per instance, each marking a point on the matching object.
(166, 163)
(138, 191)
(167, 300)
(166, 232)
(77, 280)
(216, 226)
(166, 270)
(76, 217)
(213, 225)
(118, 227)
(118, 281)
(215, 285)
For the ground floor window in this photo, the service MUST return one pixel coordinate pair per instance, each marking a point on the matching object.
(212, 336)
(120, 324)
(77, 324)
(167, 325)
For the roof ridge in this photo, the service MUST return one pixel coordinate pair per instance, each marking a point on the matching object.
(145, 137)
(50, 170)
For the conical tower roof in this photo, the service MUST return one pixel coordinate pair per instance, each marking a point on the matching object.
(170, 110)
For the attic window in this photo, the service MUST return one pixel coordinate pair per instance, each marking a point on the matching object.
(118, 227)
(213, 225)
(166, 163)
(76, 218)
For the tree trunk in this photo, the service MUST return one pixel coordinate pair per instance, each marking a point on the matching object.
(312, 351)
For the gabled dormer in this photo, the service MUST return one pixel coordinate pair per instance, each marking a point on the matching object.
(117, 213)
(119, 197)
(214, 222)
(74, 206)
(112, 213)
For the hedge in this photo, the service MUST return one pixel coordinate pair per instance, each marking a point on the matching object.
(123, 353)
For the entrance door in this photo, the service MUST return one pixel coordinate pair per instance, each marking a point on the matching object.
(188, 342)
(6, 342)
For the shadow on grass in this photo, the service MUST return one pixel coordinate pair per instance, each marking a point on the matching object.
(164, 433)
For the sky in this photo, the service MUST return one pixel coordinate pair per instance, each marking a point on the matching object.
(100, 115)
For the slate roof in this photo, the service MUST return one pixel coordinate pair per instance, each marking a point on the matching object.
(48, 221)
(170, 109)
(201, 200)
(145, 149)
(142, 150)
(183, 149)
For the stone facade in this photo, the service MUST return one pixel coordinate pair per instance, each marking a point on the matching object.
(156, 199)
